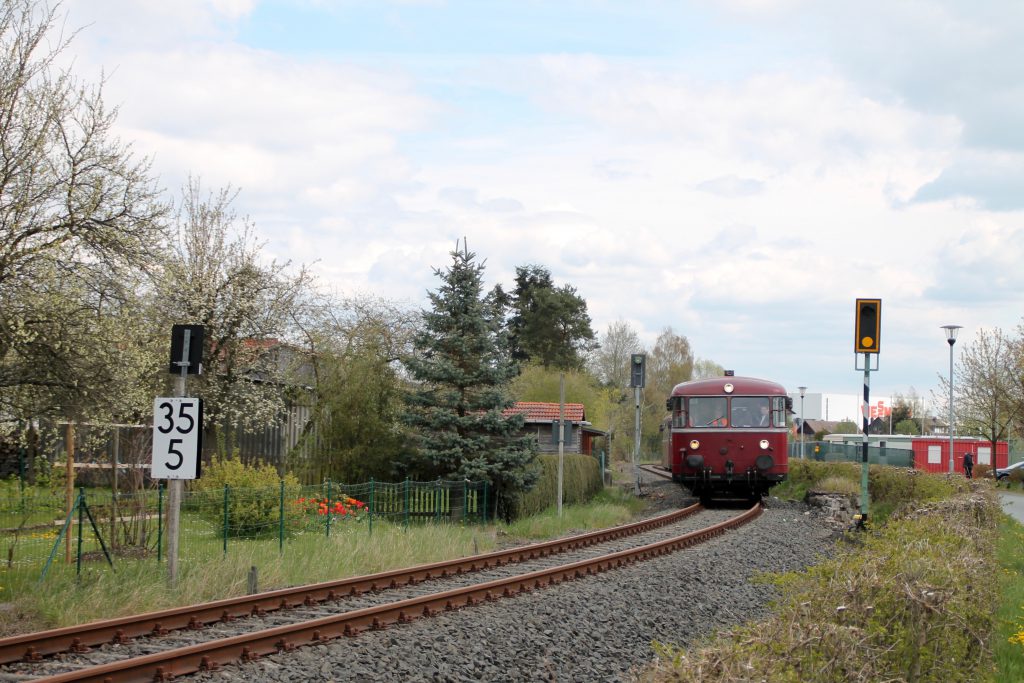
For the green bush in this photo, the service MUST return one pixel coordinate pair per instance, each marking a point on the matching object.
(254, 495)
(581, 481)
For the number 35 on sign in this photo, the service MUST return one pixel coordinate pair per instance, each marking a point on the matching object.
(177, 438)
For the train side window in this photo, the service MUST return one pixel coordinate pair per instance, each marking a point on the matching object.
(677, 406)
(709, 411)
(779, 411)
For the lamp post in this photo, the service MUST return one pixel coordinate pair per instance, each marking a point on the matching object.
(951, 331)
(802, 391)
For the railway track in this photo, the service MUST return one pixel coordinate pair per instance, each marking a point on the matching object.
(657, 471)
(311, 613)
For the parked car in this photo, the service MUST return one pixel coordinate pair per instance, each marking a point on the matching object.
(1004, 472)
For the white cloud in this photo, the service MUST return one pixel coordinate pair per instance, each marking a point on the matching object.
(746, 208)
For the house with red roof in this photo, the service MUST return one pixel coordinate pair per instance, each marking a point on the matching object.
(541, 421)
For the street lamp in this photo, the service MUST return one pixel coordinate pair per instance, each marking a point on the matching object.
(802, 390)
(951, 331)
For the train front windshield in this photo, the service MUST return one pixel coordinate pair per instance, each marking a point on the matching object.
(738, 411)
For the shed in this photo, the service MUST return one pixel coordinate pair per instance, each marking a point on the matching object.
(541, 420)
(932, 454)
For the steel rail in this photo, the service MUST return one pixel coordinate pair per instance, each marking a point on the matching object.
(78, 638)
(209, 656)
(657, 471)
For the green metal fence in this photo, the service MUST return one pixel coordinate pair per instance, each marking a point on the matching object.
(37, 530)
(837, 452)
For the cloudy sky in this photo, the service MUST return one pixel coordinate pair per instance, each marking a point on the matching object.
(739, 170)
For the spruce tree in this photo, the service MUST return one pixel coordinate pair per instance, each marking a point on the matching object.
(462, 367)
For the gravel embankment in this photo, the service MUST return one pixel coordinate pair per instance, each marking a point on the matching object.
(594, 629)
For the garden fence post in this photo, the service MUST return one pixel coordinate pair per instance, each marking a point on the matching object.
(280, 539)
(226, 495)
(485, 502)
(407, 502)
(21, 466)
(159, 521)
(465, 498)
(437, 502)
(81, 523)
(328, 508)
(371, 505)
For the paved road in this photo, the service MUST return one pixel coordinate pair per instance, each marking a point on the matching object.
(1013, 504)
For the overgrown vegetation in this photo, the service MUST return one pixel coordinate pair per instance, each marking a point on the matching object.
(888, 487)
(902, 604)
(581, 481)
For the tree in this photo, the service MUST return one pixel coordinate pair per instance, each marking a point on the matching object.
(907, 426)
(353, 345)
(549, 325)
(462, 366)
(984, 384)
(537, 383)
(214, 277)
(704, 368)
(1015, 387)
(846, 427)
(80, 219)
(610, 362)
(669, 363)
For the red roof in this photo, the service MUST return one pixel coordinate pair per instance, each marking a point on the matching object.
(535, 411)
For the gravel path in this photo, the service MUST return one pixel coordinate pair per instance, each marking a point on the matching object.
(594, 629)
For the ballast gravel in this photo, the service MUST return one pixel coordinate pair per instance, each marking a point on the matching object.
(599, 628)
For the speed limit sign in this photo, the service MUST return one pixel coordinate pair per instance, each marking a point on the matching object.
(177, 438)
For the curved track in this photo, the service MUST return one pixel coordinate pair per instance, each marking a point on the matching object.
(251, 645)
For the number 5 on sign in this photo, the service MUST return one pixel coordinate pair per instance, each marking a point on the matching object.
(177, 438)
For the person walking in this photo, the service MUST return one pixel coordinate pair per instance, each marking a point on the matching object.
(968, 464)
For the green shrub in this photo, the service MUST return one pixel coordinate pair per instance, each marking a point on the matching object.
(254, 495)
(581, 481)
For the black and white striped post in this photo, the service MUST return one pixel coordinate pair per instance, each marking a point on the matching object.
(867, 330)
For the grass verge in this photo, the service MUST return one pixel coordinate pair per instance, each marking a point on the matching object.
(902, 603)
(1008, 642)
(136, 586)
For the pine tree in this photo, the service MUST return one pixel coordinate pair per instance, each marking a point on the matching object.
(549, 325)
(462, 366)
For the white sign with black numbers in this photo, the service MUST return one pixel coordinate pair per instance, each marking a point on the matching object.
(177, 438)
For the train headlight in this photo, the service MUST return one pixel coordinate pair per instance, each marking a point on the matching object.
(764, 462)
(695, 461)
(763, 444)
(694, 445)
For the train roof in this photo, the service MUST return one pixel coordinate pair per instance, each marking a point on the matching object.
(715, 386)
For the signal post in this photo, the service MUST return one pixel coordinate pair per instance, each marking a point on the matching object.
(867, 330)
(637, 379)
(178, 433)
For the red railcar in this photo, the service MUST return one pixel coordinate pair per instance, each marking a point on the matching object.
(727, 436)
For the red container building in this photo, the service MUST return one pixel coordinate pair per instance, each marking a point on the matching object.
(932, 454)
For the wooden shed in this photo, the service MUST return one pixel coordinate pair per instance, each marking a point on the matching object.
(541, 420)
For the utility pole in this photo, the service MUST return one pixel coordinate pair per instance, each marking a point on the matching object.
(561, 437)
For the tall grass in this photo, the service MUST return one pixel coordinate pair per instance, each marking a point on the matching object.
(140, 585)
(1008, 645)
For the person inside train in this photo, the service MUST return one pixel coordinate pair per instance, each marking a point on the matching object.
(765, 420)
